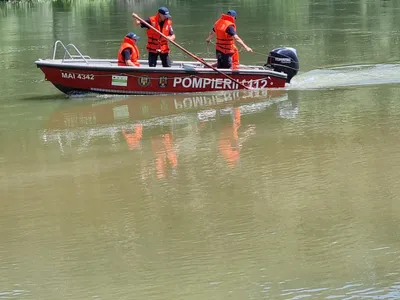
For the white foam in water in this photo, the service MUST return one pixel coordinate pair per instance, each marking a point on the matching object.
(345, 76)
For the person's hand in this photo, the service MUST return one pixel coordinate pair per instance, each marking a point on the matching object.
(135, 20)
(171, 38)
(248, 49)
(208, 41)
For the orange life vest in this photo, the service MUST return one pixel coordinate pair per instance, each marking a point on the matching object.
(155, 42)
(225, 42)
(128, 44)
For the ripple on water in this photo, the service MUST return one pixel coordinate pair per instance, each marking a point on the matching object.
(348, 291)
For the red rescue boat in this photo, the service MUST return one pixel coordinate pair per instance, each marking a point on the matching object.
(80, 73)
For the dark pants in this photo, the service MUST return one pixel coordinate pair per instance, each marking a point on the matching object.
(224, 61)
(165, 59)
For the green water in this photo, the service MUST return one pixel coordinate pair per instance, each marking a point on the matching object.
(243, 195)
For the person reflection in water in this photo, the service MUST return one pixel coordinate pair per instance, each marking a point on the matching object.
(228, 144)
(165, 154)
(133, 138)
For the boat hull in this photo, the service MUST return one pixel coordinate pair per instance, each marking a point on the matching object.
(71, 78)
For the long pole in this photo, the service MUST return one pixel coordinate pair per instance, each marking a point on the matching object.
(189, 53)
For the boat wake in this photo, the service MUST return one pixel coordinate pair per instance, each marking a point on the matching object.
(345, 76)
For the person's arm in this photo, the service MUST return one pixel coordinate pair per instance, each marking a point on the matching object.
(231, 31)
(171, 35)
(127, 57)
(210, 36)
(240, 41)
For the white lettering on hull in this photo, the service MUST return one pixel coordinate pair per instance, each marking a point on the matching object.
(67, 75)
(217, 83)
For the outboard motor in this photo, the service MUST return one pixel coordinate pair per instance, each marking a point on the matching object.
(284, 60)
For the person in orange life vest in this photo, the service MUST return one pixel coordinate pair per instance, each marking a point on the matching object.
(128, 53)
(156, 44)
(225, 31)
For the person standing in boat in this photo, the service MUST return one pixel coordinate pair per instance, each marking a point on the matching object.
(128, 53)
(225, 31)
(157, 45)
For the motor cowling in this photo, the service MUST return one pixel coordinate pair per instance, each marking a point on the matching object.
(284, 59)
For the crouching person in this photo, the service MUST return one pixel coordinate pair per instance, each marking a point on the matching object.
(128, 54)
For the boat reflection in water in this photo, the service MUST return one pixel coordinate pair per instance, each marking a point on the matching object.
(155, 122)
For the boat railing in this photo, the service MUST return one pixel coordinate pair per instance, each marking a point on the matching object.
(68, 53)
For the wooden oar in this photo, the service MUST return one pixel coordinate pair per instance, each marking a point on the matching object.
(189, 53)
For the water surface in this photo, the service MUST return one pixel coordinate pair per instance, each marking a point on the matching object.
(284, 194)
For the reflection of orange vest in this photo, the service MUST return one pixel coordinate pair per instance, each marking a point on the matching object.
(133, 139)
(156, 42)
(225, 42)
(228, 144)
(163, 152)
(128, 44)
